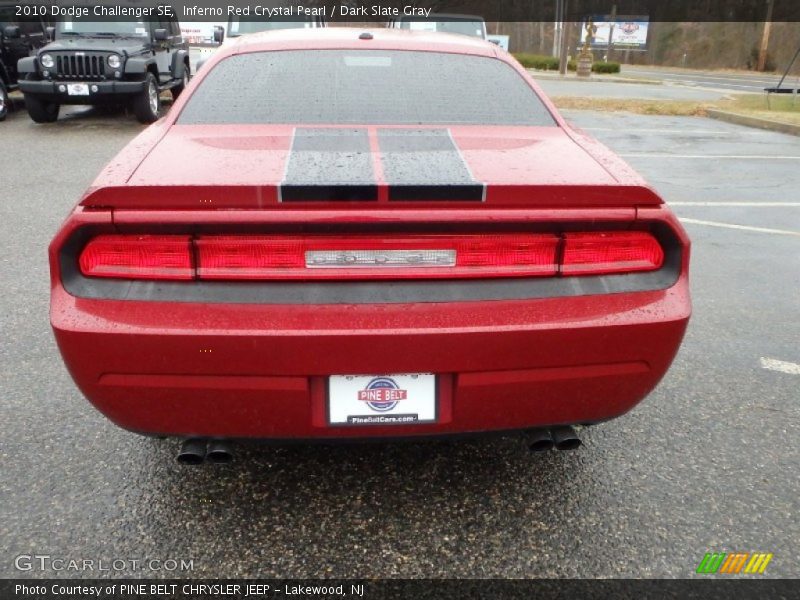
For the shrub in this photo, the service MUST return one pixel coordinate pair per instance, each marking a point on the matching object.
(598, 66)
(550, 63)
(605, 67)
(537, 61)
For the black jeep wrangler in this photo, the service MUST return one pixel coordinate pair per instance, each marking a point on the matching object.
(106, 62)
(18, 39)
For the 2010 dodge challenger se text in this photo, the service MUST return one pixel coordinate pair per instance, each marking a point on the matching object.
(366, 234)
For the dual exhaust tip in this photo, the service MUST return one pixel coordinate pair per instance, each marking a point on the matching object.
(196, 450)
(560, 438)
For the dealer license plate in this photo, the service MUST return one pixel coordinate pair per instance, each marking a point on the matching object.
(382, 399)
(78, 89)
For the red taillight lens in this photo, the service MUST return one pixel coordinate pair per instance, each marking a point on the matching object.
(369, 257)
(391, 256)
(610, 252)
(138, 257)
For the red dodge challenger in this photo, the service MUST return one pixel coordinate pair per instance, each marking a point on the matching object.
(366, 234)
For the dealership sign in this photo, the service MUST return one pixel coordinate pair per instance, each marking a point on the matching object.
(628, 32)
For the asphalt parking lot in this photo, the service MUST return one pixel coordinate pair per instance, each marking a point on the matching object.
(736, 81)
(708, 462)
(556, 85)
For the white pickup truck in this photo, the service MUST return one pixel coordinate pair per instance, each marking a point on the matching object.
(470, 25)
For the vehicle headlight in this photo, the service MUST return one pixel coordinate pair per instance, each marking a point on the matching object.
(114, 62)
(47, 61)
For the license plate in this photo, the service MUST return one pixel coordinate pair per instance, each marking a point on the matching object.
(78, 89)
(382, 399)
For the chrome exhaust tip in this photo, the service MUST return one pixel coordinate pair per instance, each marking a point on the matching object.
(219, 452)
(540, 440)
(192, 452)
(565, 438)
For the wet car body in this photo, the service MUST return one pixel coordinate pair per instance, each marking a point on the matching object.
(296, 285)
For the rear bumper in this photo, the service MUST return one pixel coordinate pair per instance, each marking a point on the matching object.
(106, 91)
(260, 371)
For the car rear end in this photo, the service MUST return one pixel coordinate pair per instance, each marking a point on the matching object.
(252, 296)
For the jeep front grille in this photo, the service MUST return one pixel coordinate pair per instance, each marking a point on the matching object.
(84, 66)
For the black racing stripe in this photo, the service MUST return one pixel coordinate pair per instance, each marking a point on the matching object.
(468, 192)
(425, 164)
(328, 193)
(329, 165)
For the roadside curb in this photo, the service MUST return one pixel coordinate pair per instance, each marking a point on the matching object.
(537, 74)
(737, 119)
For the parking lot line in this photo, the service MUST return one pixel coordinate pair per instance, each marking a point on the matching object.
(722, 89)
(741, 227)
(730, 204)
(782, 366)
(712, 156)
(676, 131)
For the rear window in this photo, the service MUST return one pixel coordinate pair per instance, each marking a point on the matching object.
(364, 87)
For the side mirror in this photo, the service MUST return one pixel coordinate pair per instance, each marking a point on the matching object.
(161, 35)
(12, 32)
(219, 34)
(50, 33)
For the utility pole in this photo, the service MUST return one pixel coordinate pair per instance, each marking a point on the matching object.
(762, 54)
(564, 56)
(611, 32)
(558, 27)
(541, 37)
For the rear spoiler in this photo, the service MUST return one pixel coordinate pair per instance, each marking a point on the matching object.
(361, 196)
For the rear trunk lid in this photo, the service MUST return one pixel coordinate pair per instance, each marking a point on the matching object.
(386, 167)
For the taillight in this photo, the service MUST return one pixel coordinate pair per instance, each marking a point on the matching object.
(610, 252)
(138, 257)
(376, 257)
(391, 256)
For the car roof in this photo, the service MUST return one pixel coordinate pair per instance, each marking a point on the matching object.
(350, 37)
